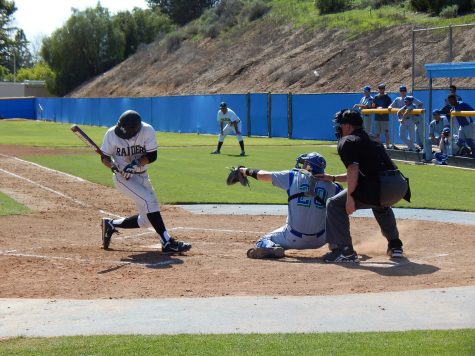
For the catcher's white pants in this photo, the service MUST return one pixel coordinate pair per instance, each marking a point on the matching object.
(140, 190)
(229, 129)
(284, 238)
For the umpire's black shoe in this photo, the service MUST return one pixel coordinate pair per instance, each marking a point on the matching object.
(341, 256)
(107, 230)
(175, 246)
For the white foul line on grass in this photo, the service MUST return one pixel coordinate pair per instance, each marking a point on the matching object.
(79, 179)
(45, 188)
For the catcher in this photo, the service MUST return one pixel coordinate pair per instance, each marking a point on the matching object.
(307, 196)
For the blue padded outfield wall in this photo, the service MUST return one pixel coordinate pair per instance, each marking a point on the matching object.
(261, 114)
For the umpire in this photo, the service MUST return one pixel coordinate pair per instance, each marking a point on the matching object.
(373, 182)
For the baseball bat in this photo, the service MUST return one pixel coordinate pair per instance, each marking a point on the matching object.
(86, 139)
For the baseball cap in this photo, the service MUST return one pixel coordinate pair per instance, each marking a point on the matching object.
(436, 112)
(446, 130)
(402, 88)
(381, 86)
(367, 88)
(223, 105)
(408, 98)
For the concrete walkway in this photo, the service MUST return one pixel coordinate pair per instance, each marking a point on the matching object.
(447, 308)
(456, 217)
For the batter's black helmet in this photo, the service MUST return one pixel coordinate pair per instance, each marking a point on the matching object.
(129, 124)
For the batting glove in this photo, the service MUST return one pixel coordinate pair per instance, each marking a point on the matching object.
(130, 169)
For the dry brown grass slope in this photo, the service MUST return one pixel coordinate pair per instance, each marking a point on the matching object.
(274, 58)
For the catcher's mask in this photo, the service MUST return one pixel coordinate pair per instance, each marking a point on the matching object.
(313, 162)
(129, 124)
(346, 116)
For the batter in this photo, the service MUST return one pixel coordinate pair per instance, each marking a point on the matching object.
(128, 148)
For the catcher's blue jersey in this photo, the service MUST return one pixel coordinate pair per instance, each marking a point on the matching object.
(305, 214)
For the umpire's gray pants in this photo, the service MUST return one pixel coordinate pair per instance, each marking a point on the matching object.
(337, 223)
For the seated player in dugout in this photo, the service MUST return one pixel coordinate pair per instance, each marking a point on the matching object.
(307, 197)
(128, 148)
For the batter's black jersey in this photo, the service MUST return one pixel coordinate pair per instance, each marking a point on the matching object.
(370, 155)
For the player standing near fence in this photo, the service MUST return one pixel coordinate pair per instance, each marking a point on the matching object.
(229, 122)
(128, 148)
(381, 121)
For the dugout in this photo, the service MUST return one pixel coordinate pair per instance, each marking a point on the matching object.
(444, 70)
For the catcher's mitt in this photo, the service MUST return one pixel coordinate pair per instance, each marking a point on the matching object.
(235, 176)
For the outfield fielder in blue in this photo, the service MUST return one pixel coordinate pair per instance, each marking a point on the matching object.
(306, 196)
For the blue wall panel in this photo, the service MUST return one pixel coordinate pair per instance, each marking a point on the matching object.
(279, 126)
(313, 114)
(17, 108)
(194, 113)
(259, 115)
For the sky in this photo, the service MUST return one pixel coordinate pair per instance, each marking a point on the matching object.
(39, 18)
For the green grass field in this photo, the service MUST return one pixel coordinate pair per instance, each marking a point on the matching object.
(450, 342)
(9, 206)
(186, 173)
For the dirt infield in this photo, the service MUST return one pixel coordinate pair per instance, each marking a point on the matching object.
(54, 252)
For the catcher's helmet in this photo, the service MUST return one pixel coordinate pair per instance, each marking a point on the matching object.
(129, 124)
(312, 161)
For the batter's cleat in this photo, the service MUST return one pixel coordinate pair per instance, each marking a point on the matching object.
(266, 252)
(216, 152)
(395, 252)
(341, 256)
(107, 230)
(175, 246)
(243, 153)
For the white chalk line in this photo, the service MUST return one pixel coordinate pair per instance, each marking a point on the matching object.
(89, 261)
(45, 188)
(152, 231)
(79, 179)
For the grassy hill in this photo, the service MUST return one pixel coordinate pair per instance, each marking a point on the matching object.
(286, 45)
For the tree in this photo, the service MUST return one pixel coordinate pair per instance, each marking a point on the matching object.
(7, 8)
(141, 26)
(20, 48)
(87, 45)
(182, 11)
(40, 71)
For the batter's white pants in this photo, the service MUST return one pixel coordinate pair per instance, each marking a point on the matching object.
(284, 238)
(229, 129)
(140, 190)
(406, 133)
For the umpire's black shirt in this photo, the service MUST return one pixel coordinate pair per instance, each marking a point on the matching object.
(372, 159)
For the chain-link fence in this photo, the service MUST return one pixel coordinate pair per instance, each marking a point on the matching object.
(454, 43)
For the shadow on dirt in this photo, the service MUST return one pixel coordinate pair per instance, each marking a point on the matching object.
(148, 259)
(391, 267)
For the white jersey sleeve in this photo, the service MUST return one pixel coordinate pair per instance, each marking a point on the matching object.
(230, 116)
(124, 151)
